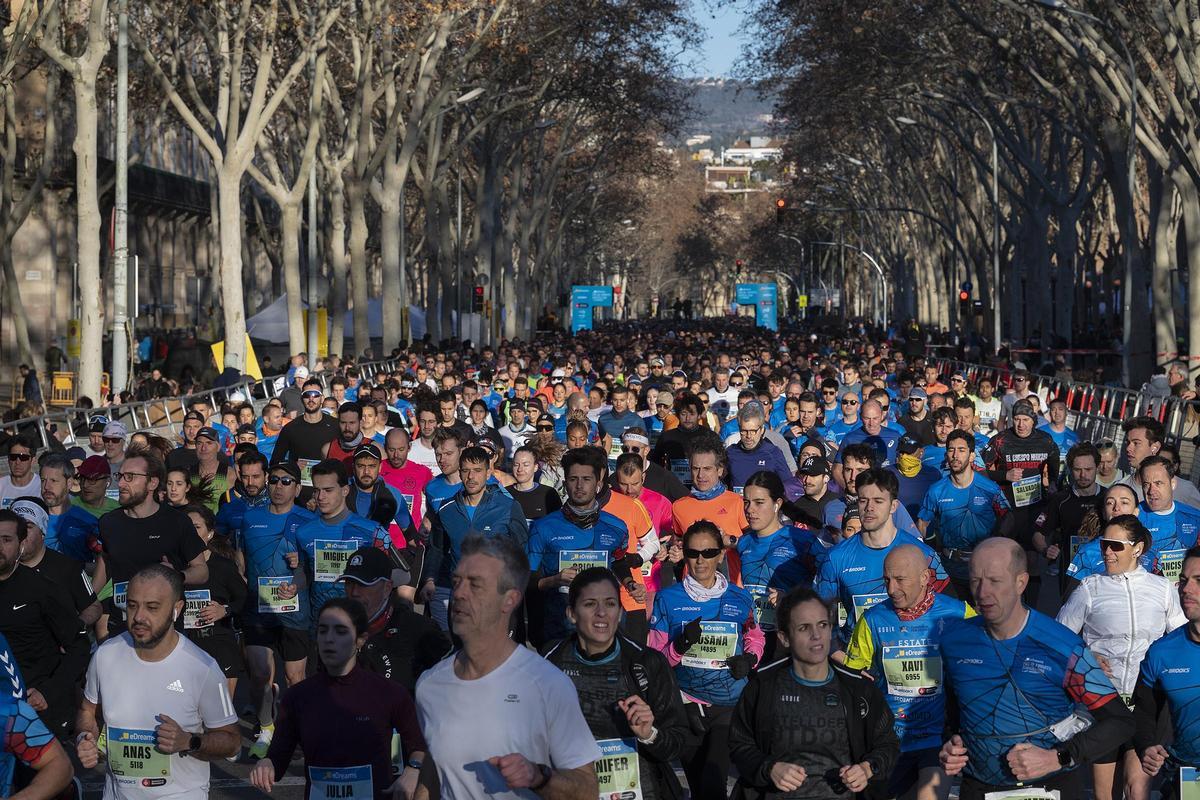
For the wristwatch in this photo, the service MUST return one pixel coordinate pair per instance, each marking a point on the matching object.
(415, 763)
(194, 744)
(1064, 757)
(546, 773)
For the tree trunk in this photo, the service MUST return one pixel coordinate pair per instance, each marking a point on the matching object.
(389, 247)
(229, 196)
(337, 261)
(1165, 226)
(87, 238)
(357, 195)
(289, 234)
(1190, 200)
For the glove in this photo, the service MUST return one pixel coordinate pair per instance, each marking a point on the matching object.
(687, 637)
(740, 666)
(625, 563)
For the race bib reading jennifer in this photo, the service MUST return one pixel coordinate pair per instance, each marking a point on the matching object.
(617, 771)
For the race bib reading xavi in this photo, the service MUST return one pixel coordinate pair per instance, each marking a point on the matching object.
(718, 643)
(134, 761)
(617, 771)
(912, 671)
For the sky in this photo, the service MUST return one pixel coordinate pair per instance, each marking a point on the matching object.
(720, 22)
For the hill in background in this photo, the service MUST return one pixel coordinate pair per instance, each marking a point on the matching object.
(726, 110)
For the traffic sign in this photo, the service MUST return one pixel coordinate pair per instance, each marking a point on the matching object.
(802, 301)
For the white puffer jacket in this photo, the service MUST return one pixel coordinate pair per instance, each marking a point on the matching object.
(1120, 616)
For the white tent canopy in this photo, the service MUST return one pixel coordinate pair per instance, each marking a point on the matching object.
(271, 324)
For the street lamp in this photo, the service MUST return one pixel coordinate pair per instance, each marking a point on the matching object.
(1131, 170)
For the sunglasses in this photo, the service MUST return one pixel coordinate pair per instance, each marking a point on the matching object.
(545, 429)
(627, 448)
(849, 402)
(311, 394)
(286, 480)
(829, 392)
(957, 380)
(706, 553)
(22, 456)
(1116, 545)
(114, 439)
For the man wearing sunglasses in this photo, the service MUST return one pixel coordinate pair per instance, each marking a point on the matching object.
(22, 479)
(305, 438)
(847, 420)
(276, 616)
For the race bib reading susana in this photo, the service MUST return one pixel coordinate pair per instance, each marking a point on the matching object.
(718, 643)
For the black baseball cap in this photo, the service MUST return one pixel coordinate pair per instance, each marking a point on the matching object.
(209, 432)
(367, 566)
(290, 467)
(909, 445)
(815, 465)
(369, 449)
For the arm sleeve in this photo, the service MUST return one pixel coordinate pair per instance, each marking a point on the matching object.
(236, 589)
(1086, 684)
(754, 766)
(216, 707)
(1075, 611)
(1149, 701)
(533, 548)
(883, 745)
(659, 636)
(928, 507)
(1052, 463)
(283, 443)
(518, 528)
(754, 641)
(25, 735)
(71, 636)
(10, 673)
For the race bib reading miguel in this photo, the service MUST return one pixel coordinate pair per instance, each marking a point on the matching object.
(271, 599)
(718, 643)
(617, 772)
(329, 559)
(134, 760)
(912, 671)
(340, 783)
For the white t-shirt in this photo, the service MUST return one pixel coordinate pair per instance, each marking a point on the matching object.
(526, 706)
(9, 493)
(423, 455)
(187, 686)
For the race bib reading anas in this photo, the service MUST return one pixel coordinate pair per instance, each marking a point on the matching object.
(329, 559)
(134, 760)
(617, 771)
(271, 599)
(912, 671)
(718, 643)
(340, 783)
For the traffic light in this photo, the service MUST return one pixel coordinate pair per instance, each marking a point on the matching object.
(964, 302)
(781, 205)
(738, 264)
(477, 300)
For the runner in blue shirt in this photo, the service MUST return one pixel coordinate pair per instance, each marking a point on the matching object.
(1056, 427)
(447, 445)
(252, 478)
(1173, 525)
(1170, 681)
(1088, 560)
(1014, 678)
(835, 430)
(873, 432)
(853, 573)
(324, 544)
(775, 558)
(961, 510)
(71, 530)
(276, 616)
(934, 453)
(613, 424)
(914, 477)
(897, 640)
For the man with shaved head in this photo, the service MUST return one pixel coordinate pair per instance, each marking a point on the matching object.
(1013, 678)
(896, 642)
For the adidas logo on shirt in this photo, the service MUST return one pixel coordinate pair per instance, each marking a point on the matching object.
(175, 686)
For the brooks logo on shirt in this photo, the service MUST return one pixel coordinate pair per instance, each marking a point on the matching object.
(175, 686)
(1177, 671)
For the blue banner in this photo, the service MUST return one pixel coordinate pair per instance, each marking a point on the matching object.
(583, 300)
(765, 299)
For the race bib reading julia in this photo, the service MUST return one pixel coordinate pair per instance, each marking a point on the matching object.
(718, 643)
(1027, 491)
(133, 759)
(329, 559)
(912, 671)
(617, 772)
(271, 599)
(340, 783)
(194, 602)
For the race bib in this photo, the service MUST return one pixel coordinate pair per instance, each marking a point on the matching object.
(1076, 541)
(194, 601)
(580, 560)
(864, 601)
(1027, 491)
(120, 594)
(1024, 794)
(1189, 783)
(617, 771)
(718, 643)
(764, 612)
(340, 783)
(408, 501)
(329, 559)
(912, 671)
(614, 449)
(306, 465)
(134, 761)
(842, 616)
(1170, 564)
(682, 470)
(270, 599)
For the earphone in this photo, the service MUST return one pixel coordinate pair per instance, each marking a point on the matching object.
(174, 615)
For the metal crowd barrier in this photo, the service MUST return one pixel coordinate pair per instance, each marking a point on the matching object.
(166, 414)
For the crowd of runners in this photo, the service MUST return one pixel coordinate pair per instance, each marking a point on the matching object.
(653, 559)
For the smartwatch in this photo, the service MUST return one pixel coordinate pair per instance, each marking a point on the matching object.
(194, 744)
(1064, 757)
(414, 763)
(545, 772)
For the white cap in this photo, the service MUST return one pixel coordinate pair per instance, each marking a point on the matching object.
(300, 374)
(32, 513)
(115, 428)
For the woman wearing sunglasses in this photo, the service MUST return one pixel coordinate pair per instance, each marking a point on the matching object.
(1089, 559)
(705, 626)
(632, 703)
(1120, 613)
